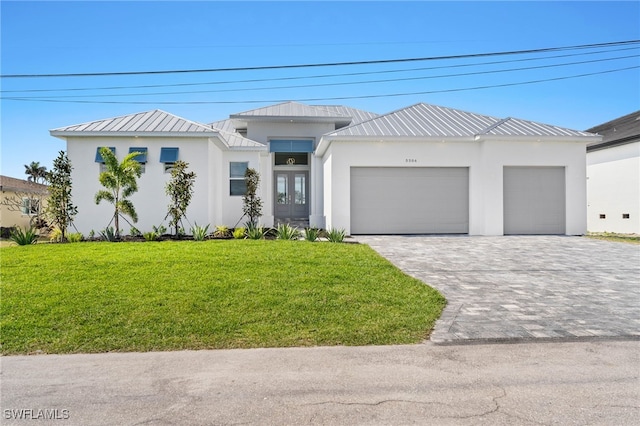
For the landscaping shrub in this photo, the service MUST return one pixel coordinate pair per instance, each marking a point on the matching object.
(75, 237)
(239, 233)
(55, 236)
(311, 234)
(23, 237)
(222, 231)
(109, 234)
(199, 233)
(287, 232)
(336, 235)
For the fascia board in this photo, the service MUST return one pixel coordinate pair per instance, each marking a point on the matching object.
(546, 139)
(66, 134)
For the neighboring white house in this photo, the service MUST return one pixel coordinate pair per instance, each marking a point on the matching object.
(613, 177)
(421, 169)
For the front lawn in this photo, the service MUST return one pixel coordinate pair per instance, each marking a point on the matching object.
(100, 297)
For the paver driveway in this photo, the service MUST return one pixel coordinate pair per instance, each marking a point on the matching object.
(516, 288)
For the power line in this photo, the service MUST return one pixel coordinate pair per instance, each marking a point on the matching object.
(260, 80)
(328, 64)
(351, 83)
(493, 86)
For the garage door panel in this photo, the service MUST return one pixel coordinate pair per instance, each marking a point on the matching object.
(409, 200)
(534, 200)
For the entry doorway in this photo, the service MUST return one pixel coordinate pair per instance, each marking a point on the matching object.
(291, 193)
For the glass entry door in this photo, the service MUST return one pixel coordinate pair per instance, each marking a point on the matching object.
(291, 194)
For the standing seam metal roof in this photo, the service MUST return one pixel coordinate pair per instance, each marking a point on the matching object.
(436, 121)
(149, 121)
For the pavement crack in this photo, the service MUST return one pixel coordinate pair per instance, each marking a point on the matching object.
(384, 401)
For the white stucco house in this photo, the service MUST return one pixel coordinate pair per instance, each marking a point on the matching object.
(613, 177)
(418, 170)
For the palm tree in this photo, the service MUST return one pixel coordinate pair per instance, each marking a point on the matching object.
(120, 182)
(35, 172)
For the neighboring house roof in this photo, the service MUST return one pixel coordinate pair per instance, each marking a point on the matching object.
(20, 185)
(155, 122)
(424, 120)
(619, 131)
(295, 110)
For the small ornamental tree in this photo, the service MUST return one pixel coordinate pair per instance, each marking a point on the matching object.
(252, 204)
(120, 181)
(60, 209)
(180, 190)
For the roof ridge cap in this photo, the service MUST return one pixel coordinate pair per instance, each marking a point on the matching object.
(489, 128)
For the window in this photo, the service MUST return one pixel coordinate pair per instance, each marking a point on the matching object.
(140, 158)
(30, 206)
(237, 185)
(168, 156)
(625, 215)
(291, 159)
(100, 160)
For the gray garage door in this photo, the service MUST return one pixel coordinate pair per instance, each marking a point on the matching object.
(534, 200)
(411, 200)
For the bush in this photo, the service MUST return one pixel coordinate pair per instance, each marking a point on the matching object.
(135, 232)
(221, 231)
(75, 237)
(23, 237)
(286, 232)
(151, 236)
(311, 234)
(55, 236)
(336, 235)
(199, 233)
(239, 233)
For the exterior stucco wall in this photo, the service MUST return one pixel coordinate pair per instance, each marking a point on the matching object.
(150, 201)
(485, 160)
(12, 215)
(613, 189)
(263, 131)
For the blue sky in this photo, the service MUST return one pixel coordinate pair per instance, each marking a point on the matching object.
(98, 37)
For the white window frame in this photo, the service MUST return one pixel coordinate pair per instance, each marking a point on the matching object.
(235, 178)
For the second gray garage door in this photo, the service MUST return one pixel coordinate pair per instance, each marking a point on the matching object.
(411, 200)
(534, 200)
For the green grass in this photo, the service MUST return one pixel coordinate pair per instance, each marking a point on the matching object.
(156, 296)
(620, 238)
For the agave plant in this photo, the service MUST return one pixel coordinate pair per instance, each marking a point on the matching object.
(109, 234)
(287, 232)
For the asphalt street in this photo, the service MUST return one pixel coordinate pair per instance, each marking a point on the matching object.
(585, 383)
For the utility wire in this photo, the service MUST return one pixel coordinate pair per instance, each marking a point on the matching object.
(328, 64)
(327, 98)
(337, 83)
(261, 80)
